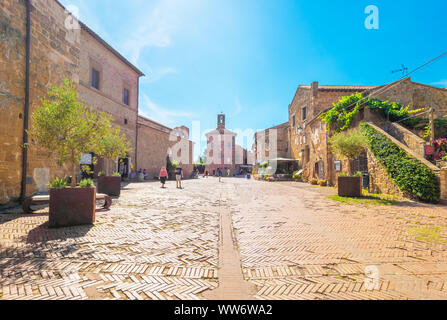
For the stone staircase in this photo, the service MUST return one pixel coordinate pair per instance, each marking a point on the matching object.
(413, 145)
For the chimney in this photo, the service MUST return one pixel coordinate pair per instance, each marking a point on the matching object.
(315, 88)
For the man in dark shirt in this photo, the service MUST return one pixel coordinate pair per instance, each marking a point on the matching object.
(179, 176)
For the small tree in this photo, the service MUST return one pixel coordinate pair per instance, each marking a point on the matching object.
(64, 127)
(112, 144)
(348, 145)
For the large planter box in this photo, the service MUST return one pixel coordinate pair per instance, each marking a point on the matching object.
(350, 186)
(72, 207)
(110, 186)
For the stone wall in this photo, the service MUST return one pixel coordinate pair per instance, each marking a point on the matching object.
(416, 95)
(379, 180)
(443, 183)
(311, 146)
(54, 56)
(12, 96)
(154, 141)
(115, 75)
(263, 142)
(60, 48)
(405, 136)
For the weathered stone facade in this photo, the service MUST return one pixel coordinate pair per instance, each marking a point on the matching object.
(54, 56)
(379, 181)
(309, 135)
(277, 137)
(408, 138)
(155, 141)
(115, 75)
(61, 47)
(415, 95)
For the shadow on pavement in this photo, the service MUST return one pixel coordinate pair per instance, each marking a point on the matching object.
(43, 233)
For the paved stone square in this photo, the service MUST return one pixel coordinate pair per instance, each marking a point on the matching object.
(240, 239)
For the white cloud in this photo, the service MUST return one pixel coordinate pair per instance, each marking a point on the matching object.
(155, 74)
(442, 83)
(153, 29)
(164, 116)
(238, 109)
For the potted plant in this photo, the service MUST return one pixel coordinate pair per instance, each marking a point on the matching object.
(297, 175)
(349, 145)
(65, 128)
(110, 185)
(350, 186)
(112, 145)
(72, 207)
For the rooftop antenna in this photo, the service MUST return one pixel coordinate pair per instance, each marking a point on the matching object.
(404, 70)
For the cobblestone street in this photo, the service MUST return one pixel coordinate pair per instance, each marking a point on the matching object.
(240, 239)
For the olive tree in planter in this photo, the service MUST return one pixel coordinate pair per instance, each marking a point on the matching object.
(67, 129)
(112, 145)
(348, 145)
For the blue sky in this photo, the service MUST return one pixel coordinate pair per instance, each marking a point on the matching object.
(246, 57)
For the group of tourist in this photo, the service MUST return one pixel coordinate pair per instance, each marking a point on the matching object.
(163, 176)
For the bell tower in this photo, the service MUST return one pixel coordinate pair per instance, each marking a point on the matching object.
(221, 121)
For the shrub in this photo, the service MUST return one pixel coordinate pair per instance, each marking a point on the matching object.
(358, 174)
(322, 183)
(296, 175)
(346, 109)
(342, 174)
(101, 173)
(86, 183)
(58, 183)
(410, 175)
(116, 174)
(313, 181)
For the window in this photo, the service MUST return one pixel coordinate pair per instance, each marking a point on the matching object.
(126, 97)
(95, 79)
(125, 121)
(304, 113)
(293, 121)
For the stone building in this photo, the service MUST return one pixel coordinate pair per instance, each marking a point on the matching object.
(309, 134)
(221, 148)
(415, 95)
(223, 153)
(278, 138)
(109, 83)
(58, 46)
(156, 142)
(53, 55)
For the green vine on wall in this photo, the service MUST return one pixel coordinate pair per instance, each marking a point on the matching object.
(346, 109)
(410, 175)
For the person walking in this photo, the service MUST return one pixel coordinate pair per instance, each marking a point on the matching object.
(219, 173)
(163, 176)
(179, 176)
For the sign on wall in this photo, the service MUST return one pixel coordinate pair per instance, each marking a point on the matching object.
(87, 159)
(337, 165)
